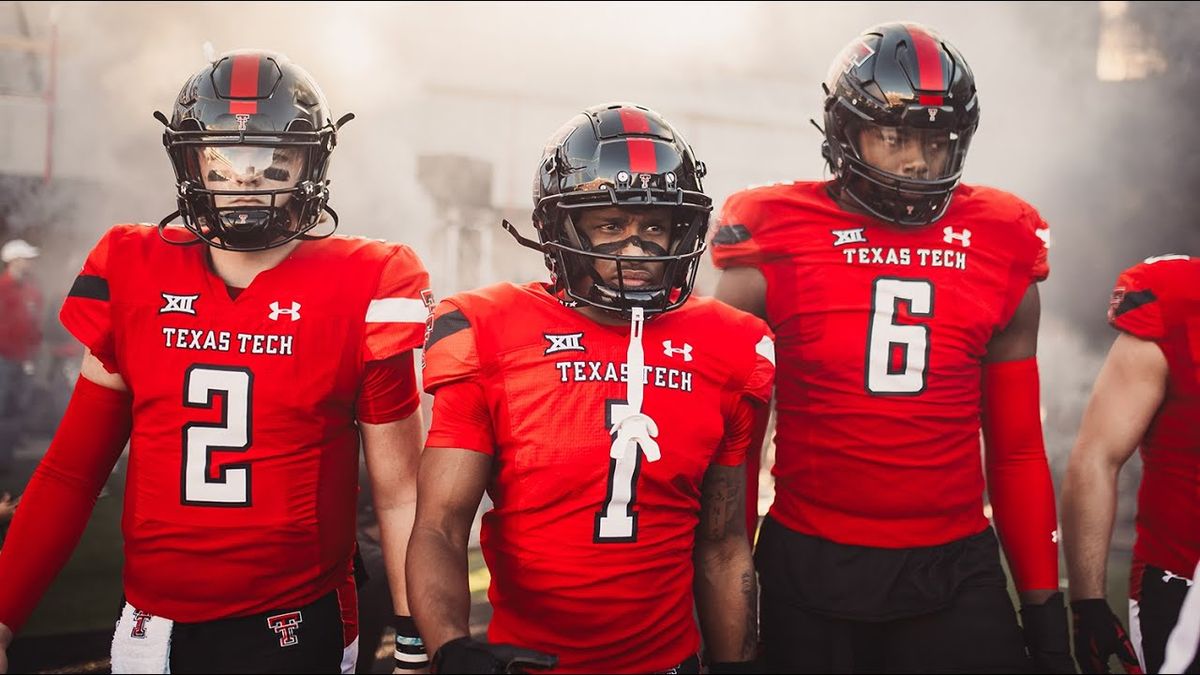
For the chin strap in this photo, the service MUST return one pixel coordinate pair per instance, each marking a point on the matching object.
(635, 428)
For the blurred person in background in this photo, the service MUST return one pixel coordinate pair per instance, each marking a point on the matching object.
(906, 311)
(1146, 396)
(21, 308)
(244, 356)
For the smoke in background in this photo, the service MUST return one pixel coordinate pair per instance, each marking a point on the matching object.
(454, 102)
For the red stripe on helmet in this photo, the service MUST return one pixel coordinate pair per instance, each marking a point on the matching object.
(641, 155)
(243, 83)
(929, 65)
(633, 121)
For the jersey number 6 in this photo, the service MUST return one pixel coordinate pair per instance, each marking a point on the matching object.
(898, 354)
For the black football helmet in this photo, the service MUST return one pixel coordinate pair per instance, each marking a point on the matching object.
(256, 121)
(624, 155)
(899, 86)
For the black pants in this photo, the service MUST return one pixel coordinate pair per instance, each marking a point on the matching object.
(936, 610)
(1158, 595)
(307, 639)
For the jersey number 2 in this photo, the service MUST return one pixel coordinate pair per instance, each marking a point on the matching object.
(231, 487)
(898, 354)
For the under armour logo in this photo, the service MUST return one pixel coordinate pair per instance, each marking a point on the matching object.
(241, 219)
(844, 237)
(645, 178)
(669, 350)
(286, 625)
(140, 619)
(563, 343)
(932, 114)
(1168, 575)
(277, 312)
(963, 237)
(241, 121)
(1054, 536)
(179, 304)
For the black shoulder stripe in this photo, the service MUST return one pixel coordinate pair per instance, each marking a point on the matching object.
(727, 235)
(89, 286)
(1131, 301)
(446, 325)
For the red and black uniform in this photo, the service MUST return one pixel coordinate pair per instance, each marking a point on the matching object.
(1159, 301)
(243, 466)
(881, 335)
(590, 556)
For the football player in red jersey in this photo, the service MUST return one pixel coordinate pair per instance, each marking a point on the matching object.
(906, 308)
(607, 414)
(1147, 395)
(243, 380)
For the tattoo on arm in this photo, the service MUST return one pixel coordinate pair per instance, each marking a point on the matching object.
(750, 593)
(723, 502)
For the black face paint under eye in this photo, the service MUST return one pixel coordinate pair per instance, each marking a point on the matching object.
(215, 176)
(615, 247)
(276, 174)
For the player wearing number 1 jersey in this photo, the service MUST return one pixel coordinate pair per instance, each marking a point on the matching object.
(242, 356)
(608, 415)
(905, 307)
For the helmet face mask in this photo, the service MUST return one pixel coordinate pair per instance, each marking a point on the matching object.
(627, 162)
(250, 139)
(900, 111)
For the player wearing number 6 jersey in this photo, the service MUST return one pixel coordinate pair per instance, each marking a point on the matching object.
(906, 310)
(242, 356)
(608, 415)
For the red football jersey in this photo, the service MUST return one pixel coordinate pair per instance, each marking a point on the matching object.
(1159, 300)
(243, 464)
(881, 331)
(590, 556)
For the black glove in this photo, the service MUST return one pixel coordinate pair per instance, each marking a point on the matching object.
(465, 655)
(1099, 635)
(1047, 638)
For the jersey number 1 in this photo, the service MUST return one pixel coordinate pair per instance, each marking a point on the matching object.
(232, 485)
(898, 354)
(617, 521)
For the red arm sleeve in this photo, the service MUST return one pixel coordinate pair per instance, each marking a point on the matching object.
(389, 390)
(1018, 476)
(60, 496)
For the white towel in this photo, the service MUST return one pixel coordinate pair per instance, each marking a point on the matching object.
(141, 643)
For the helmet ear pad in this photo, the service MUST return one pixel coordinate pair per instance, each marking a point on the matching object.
(619, 155)
(930, 91)
(257, 99)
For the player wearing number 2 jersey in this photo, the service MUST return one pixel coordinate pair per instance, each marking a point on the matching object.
(243, 371)
(608, 416)
(905, 308)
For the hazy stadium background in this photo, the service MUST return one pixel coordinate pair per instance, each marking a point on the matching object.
(1088, 113)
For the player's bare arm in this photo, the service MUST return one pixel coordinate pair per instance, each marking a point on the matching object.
(744, 288)
(726, 592)
(1128, 391)
(450, 486)
(94, 371)
(393, 454)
